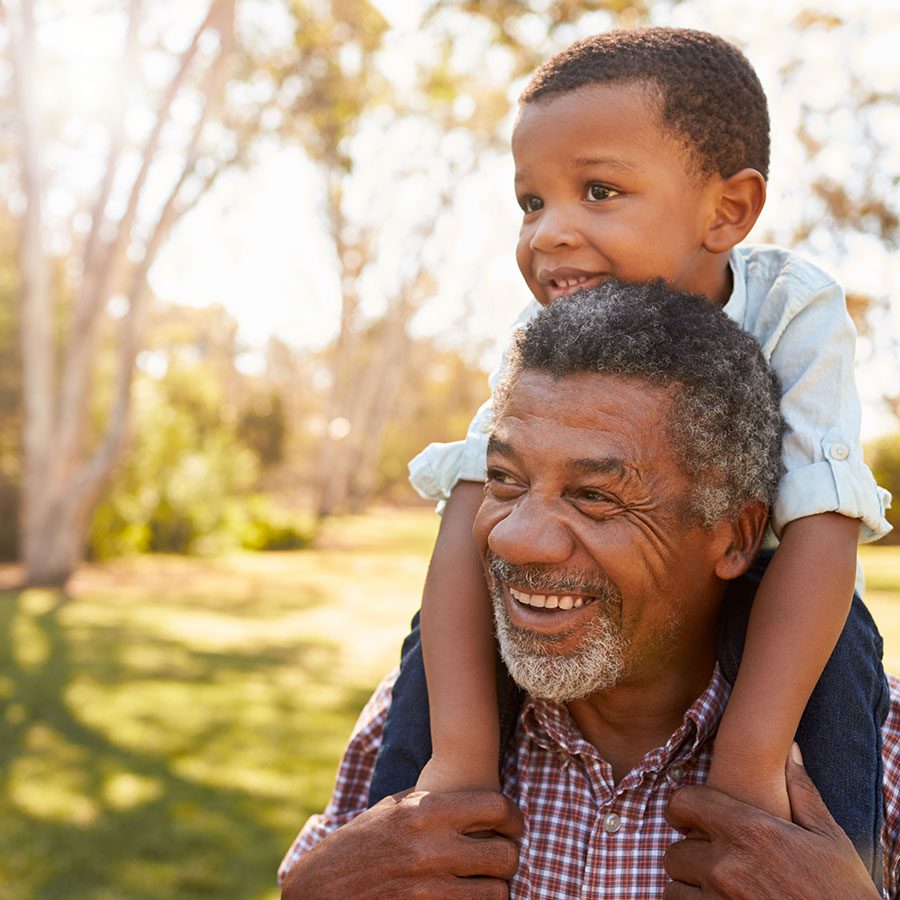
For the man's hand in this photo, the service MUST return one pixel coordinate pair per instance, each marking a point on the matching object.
(750, 855)
(416, 845)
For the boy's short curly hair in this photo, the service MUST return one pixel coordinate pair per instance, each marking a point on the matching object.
(710, 95)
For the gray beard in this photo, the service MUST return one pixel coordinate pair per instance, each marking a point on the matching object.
(597, 664)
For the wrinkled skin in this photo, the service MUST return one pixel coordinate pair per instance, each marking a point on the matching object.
(416, 845)
(737, 852)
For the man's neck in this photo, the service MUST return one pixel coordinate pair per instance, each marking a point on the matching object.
(641, 714)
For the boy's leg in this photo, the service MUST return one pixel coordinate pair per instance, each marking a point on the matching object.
(406, 742)
(840, 732)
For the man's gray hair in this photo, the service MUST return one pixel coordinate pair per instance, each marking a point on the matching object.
(725, 422)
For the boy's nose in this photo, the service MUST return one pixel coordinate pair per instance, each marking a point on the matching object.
(554, 229)
(530, 534)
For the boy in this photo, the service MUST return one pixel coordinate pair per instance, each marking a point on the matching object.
(643, 154)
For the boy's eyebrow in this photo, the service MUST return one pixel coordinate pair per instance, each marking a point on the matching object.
(585, 162)
(610, 162)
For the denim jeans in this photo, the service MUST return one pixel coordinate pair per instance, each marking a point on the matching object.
(839, 735)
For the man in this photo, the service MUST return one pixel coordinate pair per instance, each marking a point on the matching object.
(629, 475)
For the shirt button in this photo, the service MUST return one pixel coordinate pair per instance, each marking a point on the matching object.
(839, 451)
(676, 774)
(611, 823)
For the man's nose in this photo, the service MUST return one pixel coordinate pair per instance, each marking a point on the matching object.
(531, 534)
(555, 228)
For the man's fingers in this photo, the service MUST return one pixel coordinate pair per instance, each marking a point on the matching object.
(704, 809)
(494, 857)
(678, 891)
(686, 860)
(468, 889)
(470, 811)
(807, 807)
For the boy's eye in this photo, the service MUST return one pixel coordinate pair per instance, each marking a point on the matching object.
(530, 203)
(597, 192)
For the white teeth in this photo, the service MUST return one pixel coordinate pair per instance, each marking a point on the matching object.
(547, 601)
(570, 282)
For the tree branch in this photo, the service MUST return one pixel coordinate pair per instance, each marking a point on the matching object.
(104, 457)
(85, 325)
(116, 145)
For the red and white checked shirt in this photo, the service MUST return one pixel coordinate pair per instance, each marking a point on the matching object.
(586, 836)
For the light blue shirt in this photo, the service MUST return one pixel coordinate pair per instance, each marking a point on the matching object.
(798, 314)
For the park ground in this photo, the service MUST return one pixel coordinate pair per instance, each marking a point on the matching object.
(167, 726)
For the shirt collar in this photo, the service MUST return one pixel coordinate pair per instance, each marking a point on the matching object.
(737, 302)
(551, 726)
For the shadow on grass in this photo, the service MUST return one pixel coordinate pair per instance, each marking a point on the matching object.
(178, 777)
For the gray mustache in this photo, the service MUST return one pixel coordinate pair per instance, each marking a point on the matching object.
(547, 580)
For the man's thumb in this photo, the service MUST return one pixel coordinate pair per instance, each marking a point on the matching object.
(808, 810)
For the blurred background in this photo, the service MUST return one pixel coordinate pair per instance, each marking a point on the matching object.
(254, 255)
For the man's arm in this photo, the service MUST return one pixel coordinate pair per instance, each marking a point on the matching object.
(746, 854)
(415, 845)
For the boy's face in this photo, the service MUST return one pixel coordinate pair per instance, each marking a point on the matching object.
(607, 192)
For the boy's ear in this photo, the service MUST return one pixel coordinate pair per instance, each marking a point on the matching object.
(739, 201)
(741, 541)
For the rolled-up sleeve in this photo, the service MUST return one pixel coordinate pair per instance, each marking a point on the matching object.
(436, 470)
(812, 352)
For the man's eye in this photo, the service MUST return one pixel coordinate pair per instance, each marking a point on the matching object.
(500, 478)
(592, 495)
(530, 203)
(597, 192)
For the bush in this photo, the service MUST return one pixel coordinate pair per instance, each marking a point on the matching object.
(883, 457)
(268, 529)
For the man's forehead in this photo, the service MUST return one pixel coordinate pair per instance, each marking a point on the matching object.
(596, 423)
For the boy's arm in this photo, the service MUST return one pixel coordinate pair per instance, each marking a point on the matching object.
(459, 653)
(798, 614)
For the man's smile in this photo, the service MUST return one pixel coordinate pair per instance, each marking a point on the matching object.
(550, 601)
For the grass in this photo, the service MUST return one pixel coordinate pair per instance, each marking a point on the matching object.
(167, 727)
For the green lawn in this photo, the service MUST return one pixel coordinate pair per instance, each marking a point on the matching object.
(166, 729)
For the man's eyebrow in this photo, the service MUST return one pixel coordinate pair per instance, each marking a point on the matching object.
(617, 468)
(498, 445)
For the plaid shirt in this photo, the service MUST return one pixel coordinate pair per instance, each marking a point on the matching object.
(585, 835)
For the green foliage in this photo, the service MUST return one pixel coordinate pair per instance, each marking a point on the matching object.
(263, 428)
(884, 459)
(265, 528)
(186, 467)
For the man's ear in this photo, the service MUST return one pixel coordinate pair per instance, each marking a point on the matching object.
(739, 201)
(742, 540)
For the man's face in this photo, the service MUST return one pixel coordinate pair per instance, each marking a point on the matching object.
(606, 192)
(597, 578)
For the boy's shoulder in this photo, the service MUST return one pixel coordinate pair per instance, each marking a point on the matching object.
(768, 267)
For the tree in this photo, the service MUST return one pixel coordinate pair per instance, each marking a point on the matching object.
(206, 103)
(63, 472)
